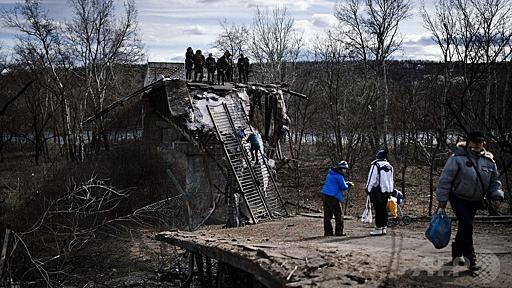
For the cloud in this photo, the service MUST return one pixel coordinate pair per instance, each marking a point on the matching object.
(430, 52)
(418, 40)
(304, 26)
(294, 5)
(168, 27)
(324, 20)
(195, 30)
(5, 30)
(176, 59)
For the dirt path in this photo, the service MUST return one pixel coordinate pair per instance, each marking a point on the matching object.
(403, 258)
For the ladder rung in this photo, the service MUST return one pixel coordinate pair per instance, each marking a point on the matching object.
(247, 184)
(252, 195)
(250, 191)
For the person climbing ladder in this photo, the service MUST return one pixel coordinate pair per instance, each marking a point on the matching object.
(255, 145)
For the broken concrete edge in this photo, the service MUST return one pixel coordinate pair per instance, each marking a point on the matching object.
(232, 258)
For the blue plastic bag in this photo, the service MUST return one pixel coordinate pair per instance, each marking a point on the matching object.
(439, 230)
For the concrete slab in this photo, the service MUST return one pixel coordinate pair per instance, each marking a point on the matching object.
(294, 253)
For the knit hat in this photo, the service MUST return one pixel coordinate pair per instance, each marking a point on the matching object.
(475, 136)
(343, 165)
(382, 154)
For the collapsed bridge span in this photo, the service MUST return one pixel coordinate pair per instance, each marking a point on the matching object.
(292, 252)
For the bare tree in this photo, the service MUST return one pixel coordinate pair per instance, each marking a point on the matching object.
(341, 89)
(89, 51)
(102, 43)
(233, 38)
(493, 39)
(477, 35)
(369, 28)
(41, 50)
(273, 36)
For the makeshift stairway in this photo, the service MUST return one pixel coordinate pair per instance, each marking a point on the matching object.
(255, 181)
(271, 194)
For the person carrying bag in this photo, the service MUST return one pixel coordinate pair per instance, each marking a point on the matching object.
(367, 216)
(379, 187)
(439, 230)
(469, 176)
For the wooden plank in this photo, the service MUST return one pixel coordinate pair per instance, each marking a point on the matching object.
(296, 94)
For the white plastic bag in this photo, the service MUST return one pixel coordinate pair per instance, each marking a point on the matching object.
(367, 216)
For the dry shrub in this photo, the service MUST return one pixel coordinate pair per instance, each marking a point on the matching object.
(78, 201)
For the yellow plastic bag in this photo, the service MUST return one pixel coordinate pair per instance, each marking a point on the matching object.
(392, 207)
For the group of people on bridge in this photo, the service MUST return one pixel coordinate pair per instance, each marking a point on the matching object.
(223, 66)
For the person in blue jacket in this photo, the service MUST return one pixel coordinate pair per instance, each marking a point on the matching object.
(332, 195)
(255, 145)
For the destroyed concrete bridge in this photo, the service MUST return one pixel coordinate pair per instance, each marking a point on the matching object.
(293, 252)
(194, 128)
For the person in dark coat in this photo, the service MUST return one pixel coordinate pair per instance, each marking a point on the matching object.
(199, 63)
(240, 64)
(189, 63)
(468, 176)
(211, 65)
(229, 68)
(222, 65)
(332, 195)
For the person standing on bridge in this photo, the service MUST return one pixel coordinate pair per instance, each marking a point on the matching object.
(222, 65)
(199, 62)
(211, 65)
(229, 67)
(242, 75)
(468, 176)
(189, 63)
(332, 195)
(380, 186)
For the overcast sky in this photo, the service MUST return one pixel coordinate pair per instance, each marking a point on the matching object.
(169, 26)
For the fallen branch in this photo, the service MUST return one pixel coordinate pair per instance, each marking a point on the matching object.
(291, 273)
(72, 220)
(4, 250)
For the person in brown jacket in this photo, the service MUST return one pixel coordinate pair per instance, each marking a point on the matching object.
(199, 62)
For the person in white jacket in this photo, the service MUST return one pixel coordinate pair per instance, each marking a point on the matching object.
(379, 186)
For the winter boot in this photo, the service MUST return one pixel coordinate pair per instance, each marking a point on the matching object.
(339, 230)
(457, 258)
(473, 267)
